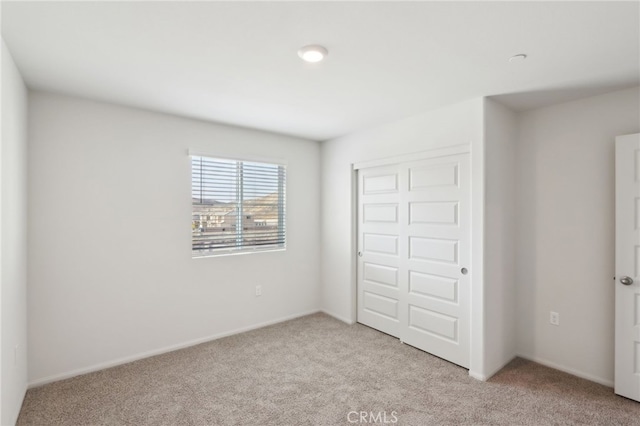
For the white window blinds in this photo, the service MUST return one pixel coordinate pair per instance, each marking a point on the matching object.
(236, 205)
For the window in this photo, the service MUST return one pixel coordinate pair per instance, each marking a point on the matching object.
(237, 206)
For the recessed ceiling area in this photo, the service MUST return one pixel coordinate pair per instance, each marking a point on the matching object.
(237, 62)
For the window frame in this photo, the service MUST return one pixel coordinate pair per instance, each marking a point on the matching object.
(282, 223)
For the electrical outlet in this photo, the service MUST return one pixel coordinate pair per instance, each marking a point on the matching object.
(258, 290)
(554, 318)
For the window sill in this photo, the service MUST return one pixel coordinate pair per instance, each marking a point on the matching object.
(238, 253)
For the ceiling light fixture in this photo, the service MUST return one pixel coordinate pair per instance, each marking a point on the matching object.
(518, 58)
(313, 53)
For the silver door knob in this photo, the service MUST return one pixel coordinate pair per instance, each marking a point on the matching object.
(360, 253)
(626, 280)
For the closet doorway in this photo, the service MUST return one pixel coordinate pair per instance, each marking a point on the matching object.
(414, 251)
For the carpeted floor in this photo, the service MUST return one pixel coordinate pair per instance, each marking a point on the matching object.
(316, 371)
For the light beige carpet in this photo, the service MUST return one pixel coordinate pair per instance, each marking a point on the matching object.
(315, 371)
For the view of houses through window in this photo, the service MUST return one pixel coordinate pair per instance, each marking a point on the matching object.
(236, 205)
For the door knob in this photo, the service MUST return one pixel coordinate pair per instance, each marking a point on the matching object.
(360, 254)
(626, 280)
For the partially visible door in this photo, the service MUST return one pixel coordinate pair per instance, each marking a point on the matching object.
(379, 248)
(627, 328)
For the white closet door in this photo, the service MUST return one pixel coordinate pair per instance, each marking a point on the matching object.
(414, 240)
(439, 246)
(379, 248)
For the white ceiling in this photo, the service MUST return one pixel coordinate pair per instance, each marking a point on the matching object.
(236, 62)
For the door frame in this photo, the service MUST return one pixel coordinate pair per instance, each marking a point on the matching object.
(476, 151)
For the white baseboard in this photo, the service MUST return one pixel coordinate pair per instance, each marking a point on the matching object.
(571, 371)
(18, 407)
(338, 317)
(487, 376)
(142, 355)
(478, 376)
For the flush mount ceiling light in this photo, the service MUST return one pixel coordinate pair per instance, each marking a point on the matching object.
(313, 53)
(518, 58)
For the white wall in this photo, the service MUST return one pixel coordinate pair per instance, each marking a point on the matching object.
(13, 232)
(500, 220)
(565, 234)
(111, 274)
(453, 125)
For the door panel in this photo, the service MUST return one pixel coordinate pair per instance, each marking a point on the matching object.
(380, 183)
(627, 328)
(380, 243)
(433, 323)
(380, 213)
(380, 274)
(376, 303)
(433, 213)
(379, 249)
(439, 294)
(433, 286)
(433, 175)
(433, 249)
(414, 237)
